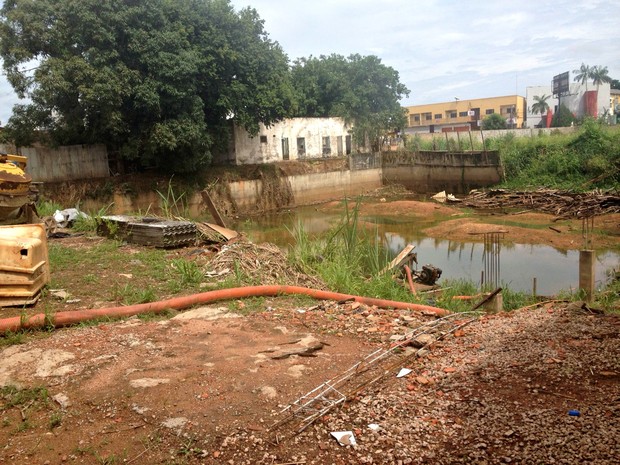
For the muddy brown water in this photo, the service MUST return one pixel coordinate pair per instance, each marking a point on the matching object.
(555, 269)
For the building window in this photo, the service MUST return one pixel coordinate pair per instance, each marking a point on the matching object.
(301, 147)
(285, 150)
(490, 111)
(263, 139)
(414, 119)
(450, 114)
(437, 115)
(427, 116)
(463, 113)
(327, 149)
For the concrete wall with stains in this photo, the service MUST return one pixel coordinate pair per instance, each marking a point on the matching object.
(306, 189)
(429, 172)
(291, 139)
(66, 163)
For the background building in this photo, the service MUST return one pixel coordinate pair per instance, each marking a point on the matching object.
(465, 115)
(591, 100)
(290, 139)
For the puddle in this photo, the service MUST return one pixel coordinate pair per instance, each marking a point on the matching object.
(555, 270)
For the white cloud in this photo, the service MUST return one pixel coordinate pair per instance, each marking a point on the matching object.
(442, 47)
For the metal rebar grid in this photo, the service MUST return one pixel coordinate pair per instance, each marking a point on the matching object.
(587, 228)
(374, 367)
(491, 260)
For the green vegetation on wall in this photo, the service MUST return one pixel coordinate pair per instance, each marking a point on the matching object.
(587, 159)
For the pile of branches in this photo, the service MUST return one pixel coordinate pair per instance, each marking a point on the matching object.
(562, 204)
(259, 264)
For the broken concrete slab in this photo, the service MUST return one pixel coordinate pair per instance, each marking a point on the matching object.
(206, 313)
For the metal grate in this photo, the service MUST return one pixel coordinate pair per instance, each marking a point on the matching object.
(374, 367)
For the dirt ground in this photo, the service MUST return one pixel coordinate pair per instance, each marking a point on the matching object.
(208, 386)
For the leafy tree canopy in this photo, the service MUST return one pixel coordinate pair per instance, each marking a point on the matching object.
(563, 118)
(359, 89)
(155, 80)
(494, 121)
(540, 104)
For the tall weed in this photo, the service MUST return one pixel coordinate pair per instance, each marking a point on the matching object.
(173, 204)
(587, 159)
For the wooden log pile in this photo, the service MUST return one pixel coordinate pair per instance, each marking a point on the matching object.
(562, 204)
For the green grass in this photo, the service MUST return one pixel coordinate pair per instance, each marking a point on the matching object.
(608, 298)
(12, 396)
(55, 420)
(47, 207)
(130, 294)
(11, 338)
(248, 306)
(151, 274)
(584, 160)
(587, 159)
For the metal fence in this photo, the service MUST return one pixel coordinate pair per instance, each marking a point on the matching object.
(364, 161)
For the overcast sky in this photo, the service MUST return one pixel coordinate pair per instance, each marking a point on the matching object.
(444, 49)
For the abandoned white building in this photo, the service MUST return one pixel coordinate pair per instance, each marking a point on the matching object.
(582, 101)
(290, 139)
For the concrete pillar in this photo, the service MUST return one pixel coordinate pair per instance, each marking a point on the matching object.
(586, 273)
(495, 304)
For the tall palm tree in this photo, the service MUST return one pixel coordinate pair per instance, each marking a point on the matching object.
(541, 106)
(599, 75)
(583, 74)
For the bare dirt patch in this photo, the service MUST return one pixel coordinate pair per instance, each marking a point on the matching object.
(405, 208)
(206, 389)
(532, 228)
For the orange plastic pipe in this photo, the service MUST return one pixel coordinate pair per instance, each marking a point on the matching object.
(78, 316)
(410, 279)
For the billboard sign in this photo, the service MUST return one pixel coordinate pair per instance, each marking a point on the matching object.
(561, 84)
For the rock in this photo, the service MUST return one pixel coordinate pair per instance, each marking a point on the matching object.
(148, 382)
(422, 380)
(422, 340)
(62, 400)
(175, 423)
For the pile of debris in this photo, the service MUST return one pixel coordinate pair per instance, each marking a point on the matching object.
(263, 264)
(562, 204)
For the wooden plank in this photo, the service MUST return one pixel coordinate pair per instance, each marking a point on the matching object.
(211, 206)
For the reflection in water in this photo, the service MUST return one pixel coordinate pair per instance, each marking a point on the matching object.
(555, 270)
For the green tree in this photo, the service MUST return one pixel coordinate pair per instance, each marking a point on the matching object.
(158, 81)
(600, 75)
(493, 121)
(360, 89)
(540, 105)
(583, 74)
(563, 118)
(615, 84)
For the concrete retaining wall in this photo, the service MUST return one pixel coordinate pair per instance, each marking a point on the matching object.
(307, 189)
(428, 172)
(479, 136)
(65, 163)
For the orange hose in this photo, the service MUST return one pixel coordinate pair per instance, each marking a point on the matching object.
(78, 316)
(410, 279)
